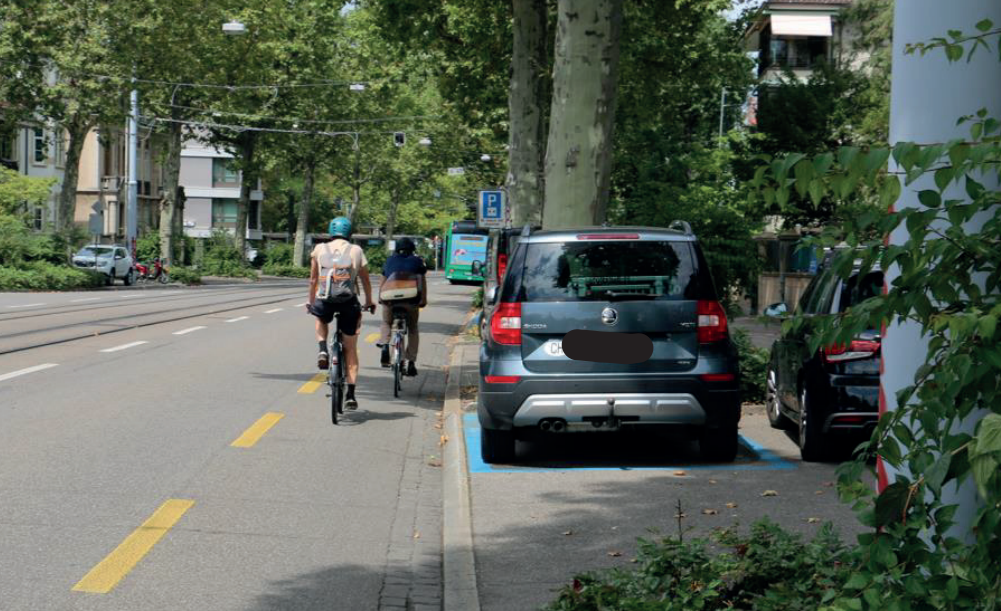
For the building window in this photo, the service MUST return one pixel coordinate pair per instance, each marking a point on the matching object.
(798, 52)
(223, 174)
(252, 216)
(224, 213)
(8, 147)
(38, 218)
(40, 145)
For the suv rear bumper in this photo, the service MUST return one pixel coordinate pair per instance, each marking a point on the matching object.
(679, 401)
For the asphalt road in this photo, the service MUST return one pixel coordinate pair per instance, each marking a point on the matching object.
(165, 449)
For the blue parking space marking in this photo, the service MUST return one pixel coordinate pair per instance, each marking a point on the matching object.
(766, 459)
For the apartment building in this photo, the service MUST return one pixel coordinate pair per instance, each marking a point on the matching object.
(38, 151)
(212, 192)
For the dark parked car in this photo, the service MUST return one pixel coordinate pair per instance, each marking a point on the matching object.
(637, 310)
(830, 395)
(499, 249)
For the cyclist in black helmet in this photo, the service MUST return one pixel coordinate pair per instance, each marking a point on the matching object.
(335, 269)
(404, 262)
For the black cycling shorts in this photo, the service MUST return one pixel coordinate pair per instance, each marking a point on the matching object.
(349, 314)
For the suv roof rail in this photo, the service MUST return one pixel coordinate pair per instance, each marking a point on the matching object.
(682, 226)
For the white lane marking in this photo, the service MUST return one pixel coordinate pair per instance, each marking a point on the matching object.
(274, 310)
(191, 330)
(26, 371)
(131, 296)
(124, 347)
(87, 299)
(238, 319)
(302, 305)
(27, 305)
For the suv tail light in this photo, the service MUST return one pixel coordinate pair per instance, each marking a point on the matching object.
(501, 266)
(857, 350)
(712, 322)
(505, 325)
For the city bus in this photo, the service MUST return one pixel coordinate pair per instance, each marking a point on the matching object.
(464, 244)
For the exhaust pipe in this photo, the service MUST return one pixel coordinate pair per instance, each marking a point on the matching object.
(546, 426)
(559, 426)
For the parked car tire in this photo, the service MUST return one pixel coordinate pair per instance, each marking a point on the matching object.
(773, 404)
(812, 445)
(130, 277)
(497, 446)
(719, 445)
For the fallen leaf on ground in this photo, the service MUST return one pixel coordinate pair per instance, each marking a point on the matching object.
(819, 492)
(443, 441)
(769, 493)
(813, 520)
(614, 554)
(709, 512)
(437, 426)
(828, 484)
(680, 516)
(567, 533)
(615, 528)
(680, 473)
(731, 505)
(434, 461)
(417, 534)
(712, 481)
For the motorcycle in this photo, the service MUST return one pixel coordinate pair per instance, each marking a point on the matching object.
(150, 272)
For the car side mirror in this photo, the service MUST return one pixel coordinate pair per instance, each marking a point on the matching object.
(117, 257)
(477, 268)
(491, 296)
(777, 310)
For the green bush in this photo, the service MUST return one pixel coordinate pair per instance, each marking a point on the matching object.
(223, 259)
(43, 276)
(148, 246)
(478, 299)
(279, 255)
(376, 256)
(767, 570)
(185, 275)
(753, 367)
(287, 271)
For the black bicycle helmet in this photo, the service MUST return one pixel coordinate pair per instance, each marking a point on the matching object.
(405, 246)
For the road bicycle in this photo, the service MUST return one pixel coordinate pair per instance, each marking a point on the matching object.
(398, 348)
(336, 368)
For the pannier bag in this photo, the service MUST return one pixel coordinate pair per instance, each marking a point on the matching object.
(400, 286)
(337, 275)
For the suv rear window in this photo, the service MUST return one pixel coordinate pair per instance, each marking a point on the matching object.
(608, 270)
(855, 292)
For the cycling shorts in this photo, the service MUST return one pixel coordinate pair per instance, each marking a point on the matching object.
(349, 314)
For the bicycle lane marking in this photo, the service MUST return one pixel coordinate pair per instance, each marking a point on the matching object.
(257, 430)
(766, 459)
(314, 384)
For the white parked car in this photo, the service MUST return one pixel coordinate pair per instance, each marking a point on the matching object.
(112, 261)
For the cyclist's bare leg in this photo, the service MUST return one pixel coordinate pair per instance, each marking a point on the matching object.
(351, 357)
(322, 329)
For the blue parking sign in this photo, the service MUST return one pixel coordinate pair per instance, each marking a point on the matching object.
(492, 209)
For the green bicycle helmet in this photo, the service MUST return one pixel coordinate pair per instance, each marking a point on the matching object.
(340, 227)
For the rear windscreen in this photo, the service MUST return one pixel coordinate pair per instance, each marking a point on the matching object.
(858, 289)
(602, 271)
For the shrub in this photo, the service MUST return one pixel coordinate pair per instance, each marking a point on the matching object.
(767, 570)
(148, 246)
(185, 275)
(223, 259)
(287, 271)
(753, 367)
(478, 299)
(279, 255)
(376, 256)
(42, 276)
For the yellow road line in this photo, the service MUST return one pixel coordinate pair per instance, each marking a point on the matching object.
(257, 430)
(313, 385)
(371, 337)
(106, 575)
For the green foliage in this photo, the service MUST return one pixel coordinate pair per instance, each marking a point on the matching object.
(766, 570)
(753, 367)
(287, 271)
(18, 191)
(478, 299)
(148, 246)
(42, 276)
(279, 254)
(223, 259)
(949, 286)
(185, 275)
(376, 256)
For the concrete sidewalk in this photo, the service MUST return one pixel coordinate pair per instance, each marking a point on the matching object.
(763, 332)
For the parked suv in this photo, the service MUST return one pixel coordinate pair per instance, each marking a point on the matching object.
(112, 261)
(626, 285)
(499, 249)
(830, 396)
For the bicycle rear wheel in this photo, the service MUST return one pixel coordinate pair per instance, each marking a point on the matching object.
(397, 363)
(334, 374)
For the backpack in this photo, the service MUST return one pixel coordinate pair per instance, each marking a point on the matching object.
(337, 283)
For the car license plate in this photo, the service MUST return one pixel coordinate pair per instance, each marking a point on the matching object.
(554, 347)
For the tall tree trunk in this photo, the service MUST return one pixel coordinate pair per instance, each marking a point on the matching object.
(302, 222)
(180, 244)
(579, 154)
(248, 183)
(526, 104)
(77, 130)
(168, 204)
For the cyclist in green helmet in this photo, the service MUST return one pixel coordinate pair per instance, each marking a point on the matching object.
(335, 269)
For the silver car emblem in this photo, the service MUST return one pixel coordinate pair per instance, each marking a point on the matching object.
(609, 316)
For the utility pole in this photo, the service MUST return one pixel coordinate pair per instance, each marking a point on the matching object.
(722, 111)
(928, 94)
(131, 214)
